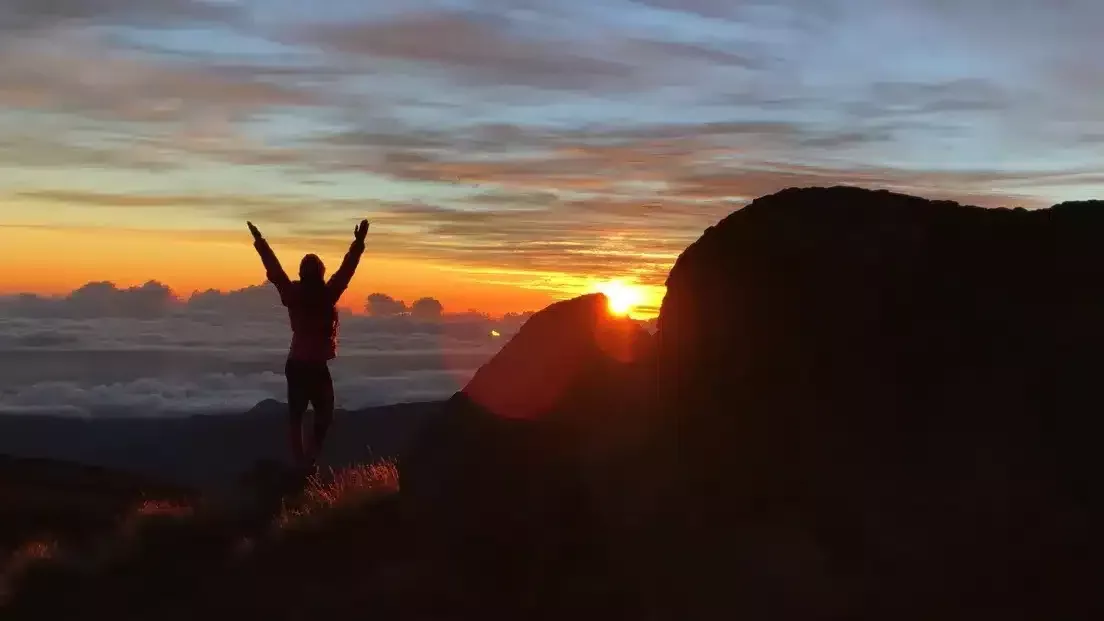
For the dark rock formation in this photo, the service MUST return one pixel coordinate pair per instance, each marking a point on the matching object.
(514, 466)
(566, 352)
(883, 408)
(858, 405)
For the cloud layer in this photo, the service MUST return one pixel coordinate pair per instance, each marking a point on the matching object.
(109, 351)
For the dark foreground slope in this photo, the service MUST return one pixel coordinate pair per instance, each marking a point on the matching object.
(67, 503)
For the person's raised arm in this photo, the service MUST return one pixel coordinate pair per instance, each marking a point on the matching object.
(339, 282)
(273, 269)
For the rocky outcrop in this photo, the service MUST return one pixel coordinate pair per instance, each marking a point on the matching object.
(562, 356)
(857, 405)
(883, 406)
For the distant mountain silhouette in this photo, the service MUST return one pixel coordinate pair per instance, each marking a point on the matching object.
(205, 450)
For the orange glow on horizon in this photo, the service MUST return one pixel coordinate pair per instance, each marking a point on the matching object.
(55, 261)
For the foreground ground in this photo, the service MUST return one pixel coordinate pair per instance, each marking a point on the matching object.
(339, 544)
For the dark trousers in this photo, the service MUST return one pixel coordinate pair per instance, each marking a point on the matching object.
(308, 383)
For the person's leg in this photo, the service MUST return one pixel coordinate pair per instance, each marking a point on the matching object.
(298, 399)
(323, 399)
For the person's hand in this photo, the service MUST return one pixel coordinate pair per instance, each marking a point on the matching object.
(256, 233)
(361, 231)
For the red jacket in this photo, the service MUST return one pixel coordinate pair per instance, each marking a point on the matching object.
(313, 321)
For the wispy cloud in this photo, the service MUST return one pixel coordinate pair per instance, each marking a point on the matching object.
(25, 15)
(77, 72)
(475, 46)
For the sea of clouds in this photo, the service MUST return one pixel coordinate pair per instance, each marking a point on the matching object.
(108, 351)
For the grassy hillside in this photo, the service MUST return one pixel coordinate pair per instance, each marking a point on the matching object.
(337, 545)
(150, 550)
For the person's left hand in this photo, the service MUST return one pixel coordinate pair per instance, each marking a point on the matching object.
(255, 231)
(361, 231)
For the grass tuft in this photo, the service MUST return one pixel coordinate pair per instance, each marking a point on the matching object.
(343, 490)
(164, 508)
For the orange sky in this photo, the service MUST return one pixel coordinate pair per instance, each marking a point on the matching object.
(58, 260)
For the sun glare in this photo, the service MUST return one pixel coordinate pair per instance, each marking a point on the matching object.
(623, 298)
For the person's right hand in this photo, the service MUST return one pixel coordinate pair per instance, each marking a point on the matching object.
(361, 231)
(256, 233)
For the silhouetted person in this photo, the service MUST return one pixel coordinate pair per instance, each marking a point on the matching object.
(312, 307)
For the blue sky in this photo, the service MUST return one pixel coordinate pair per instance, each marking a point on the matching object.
(549, 142)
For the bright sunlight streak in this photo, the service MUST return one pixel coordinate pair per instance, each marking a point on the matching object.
(623, 297)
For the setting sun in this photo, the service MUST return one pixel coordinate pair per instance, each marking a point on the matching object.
(623, 298)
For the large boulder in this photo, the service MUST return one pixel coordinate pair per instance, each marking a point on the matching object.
(885, 407)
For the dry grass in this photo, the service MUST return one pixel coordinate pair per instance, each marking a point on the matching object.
(164, 508)
(33, 551)
(344, 489)
(151, 514)
(20, 560)
(163, 546)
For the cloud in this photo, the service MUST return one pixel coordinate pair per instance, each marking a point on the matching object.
(427, 308)
(281, 209)
(109, 351)
(218, 393)
(261, 301)
(76, 71)
(624, 201)
(257, 303)
(486, 48)
(952, 96)
(475, 44)
(969, 187)
(22, 15)
(620, 168)
(723, 9)
(383, 305)
(97, 299)
(555, 240)
(594, 159)
(52, 149)
(104, 350)
(79, 99)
